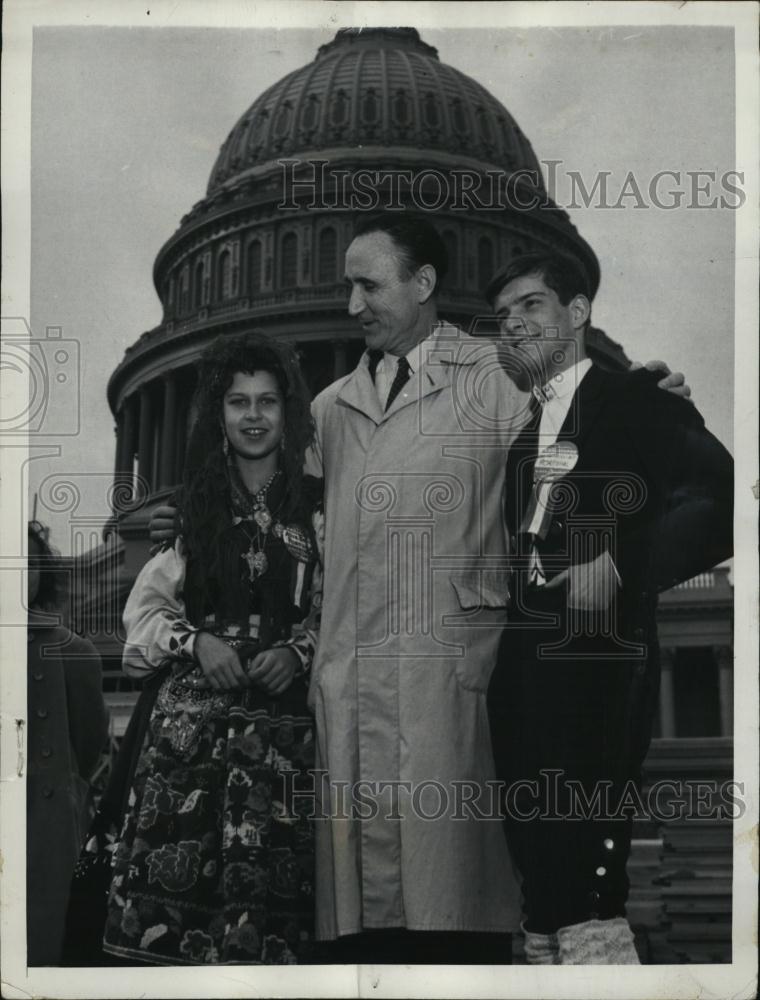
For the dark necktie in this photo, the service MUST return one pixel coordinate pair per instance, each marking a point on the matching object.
(403, 371)
(520, 461)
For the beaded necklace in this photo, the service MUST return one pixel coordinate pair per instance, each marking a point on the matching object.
(256, 513)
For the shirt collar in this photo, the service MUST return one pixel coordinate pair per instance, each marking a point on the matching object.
(564, 383)
(414, 357)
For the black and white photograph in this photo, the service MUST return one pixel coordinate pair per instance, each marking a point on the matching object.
(379, 425)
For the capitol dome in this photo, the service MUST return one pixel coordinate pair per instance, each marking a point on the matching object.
(264, 247)
(374, 87)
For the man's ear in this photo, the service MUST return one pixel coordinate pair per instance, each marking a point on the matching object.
(426, 279)
(580, 311)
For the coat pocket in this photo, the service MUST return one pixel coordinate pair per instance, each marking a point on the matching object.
(482, 598)
(481, 588)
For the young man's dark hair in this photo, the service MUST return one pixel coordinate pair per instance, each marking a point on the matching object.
(564, 275)
(415, 237)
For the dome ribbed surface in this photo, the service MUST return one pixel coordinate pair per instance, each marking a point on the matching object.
(374, 86)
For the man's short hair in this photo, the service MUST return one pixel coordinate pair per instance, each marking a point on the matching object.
(417, 240)
(564, 275)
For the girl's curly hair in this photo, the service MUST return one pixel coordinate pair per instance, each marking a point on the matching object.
(212, 562)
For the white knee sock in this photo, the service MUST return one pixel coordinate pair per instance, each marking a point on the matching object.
(541, 949)
(597, 942)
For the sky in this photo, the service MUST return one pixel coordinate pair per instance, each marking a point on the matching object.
(126, 123)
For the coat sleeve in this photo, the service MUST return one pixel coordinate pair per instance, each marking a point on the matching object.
(694, 527)
(86, 708)
(154, 616)
(313, 463)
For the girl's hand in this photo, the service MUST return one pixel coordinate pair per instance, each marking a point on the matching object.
(274, 669)
(219, 663)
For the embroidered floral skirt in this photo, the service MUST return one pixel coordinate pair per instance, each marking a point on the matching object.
(215, 859)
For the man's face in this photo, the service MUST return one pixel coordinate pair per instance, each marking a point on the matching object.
(540, 335)
(384, 300)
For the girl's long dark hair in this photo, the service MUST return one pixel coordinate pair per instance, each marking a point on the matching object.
(213, 576)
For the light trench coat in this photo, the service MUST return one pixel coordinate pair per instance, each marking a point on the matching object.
(415, 597)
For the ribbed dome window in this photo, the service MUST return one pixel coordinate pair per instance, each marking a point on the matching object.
(283, 119)
(310, 113)
(289, 261)
(401, 108)
(370, 107)
(339, 111)
(431, 110)
(327, 256)
(459, 116)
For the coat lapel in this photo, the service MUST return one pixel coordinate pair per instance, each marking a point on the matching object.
(584, 408)
(359, 392)
(436, 370)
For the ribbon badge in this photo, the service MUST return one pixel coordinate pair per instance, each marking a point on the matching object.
(551, 465)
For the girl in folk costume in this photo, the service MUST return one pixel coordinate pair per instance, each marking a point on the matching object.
(214, 863)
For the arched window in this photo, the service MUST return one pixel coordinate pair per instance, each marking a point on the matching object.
(254, 267)
(224, 275)
(198, 285)
(289, 261)
(485, 261)
(452, 248)
(184, 289)
(327, 256)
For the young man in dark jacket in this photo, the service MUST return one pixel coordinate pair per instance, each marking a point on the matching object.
(614, 490)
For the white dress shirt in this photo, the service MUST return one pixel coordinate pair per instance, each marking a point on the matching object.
(386, 371)
(557, 397)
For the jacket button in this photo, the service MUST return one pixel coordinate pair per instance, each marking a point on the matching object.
(558, 527)
(46, 752)
(47, 791)
(601, 871)
(42, 713)
(593, 897)
(609, 844)
(38, 675)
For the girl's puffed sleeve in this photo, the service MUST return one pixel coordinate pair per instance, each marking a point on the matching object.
(154, 615)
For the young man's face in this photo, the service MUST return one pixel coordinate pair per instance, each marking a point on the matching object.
(386, 302)
(540, 335)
